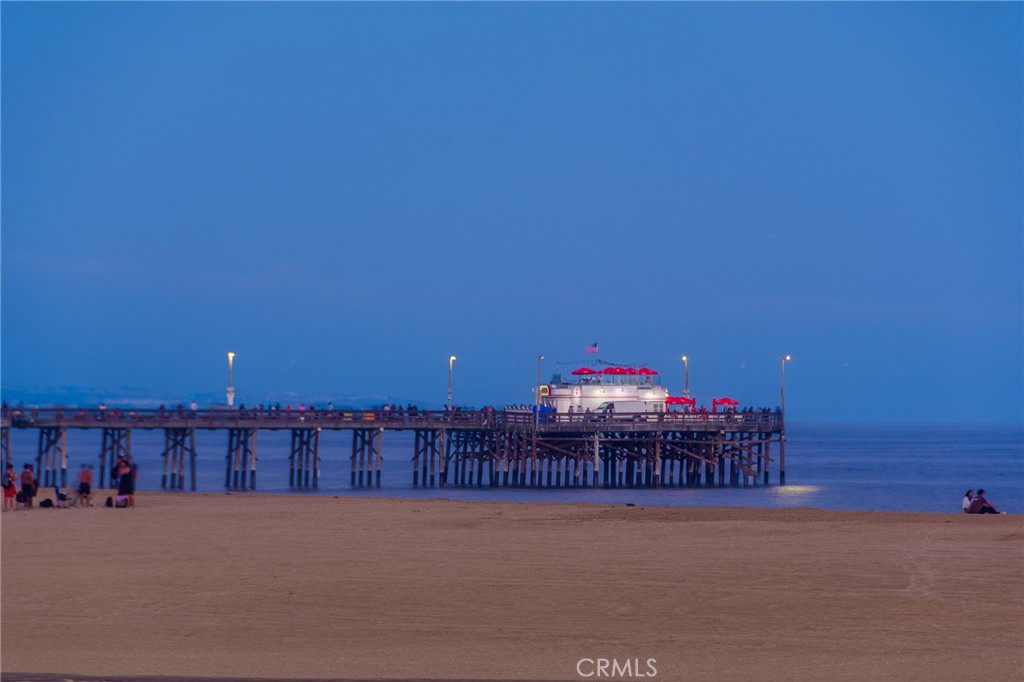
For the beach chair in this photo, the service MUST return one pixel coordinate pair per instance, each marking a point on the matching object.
(61, 500)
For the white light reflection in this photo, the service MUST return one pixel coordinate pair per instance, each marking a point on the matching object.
(796, 490)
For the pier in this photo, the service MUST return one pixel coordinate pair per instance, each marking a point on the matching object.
(481, 448)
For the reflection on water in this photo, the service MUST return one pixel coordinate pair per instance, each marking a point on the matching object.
(795, 490)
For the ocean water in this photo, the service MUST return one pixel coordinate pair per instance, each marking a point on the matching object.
(881, 467)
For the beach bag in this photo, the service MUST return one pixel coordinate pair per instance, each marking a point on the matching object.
(109, 502)
(20, 497)
(121, 502)
(46, 504)
(8, 481)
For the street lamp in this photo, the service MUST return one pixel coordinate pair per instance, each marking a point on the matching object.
(536, 394)
(231, 387)
(451, 361)
(782, 409)
(782, 382)
(686, 376)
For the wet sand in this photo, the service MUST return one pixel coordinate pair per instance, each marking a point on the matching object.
(264, 586)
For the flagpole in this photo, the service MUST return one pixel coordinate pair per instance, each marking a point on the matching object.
(686, 376)
(536, 395)
(451, 361)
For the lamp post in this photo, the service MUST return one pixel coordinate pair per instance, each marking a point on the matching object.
(686, 376)
(782, 416)
(536, 394)
(451, 361)
(231, 387)
(782, 381)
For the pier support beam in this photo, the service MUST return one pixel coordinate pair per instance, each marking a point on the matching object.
(472, 456)
(52, 456)
(426, 453)
(178, 443)
(241, 459)
(427, 450)
(305, 458)
(366, 453)
(117, 442)
(782, 458)
(657, 461)
(445, 446)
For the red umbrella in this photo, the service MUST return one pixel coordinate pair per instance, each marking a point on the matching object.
(613, 370)
(725, 401)
(647, 372)
(680, 400)
(584, 370)
(629, 370)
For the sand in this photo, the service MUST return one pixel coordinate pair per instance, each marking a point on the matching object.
(318, 587)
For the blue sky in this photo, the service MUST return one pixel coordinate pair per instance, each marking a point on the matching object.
(346, 193)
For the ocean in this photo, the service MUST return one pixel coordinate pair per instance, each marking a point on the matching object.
(878, 467)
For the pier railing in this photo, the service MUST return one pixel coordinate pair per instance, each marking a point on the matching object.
(221, 418)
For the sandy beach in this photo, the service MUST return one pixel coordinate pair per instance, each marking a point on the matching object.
(263, 586)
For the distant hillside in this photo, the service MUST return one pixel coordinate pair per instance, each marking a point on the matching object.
(125, 396)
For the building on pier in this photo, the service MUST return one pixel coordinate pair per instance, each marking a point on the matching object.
(591, 390)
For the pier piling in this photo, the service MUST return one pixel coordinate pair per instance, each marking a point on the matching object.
(504, 448)
(241, 459)
(178, 443)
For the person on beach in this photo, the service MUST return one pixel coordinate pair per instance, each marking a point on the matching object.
(980, 505)
(124, 478)
(10, 489)
(133, 477)
(115, 472)
(968, 498)
(85, 485)
(28, 484)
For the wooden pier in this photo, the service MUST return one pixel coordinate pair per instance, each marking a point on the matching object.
(481, 448)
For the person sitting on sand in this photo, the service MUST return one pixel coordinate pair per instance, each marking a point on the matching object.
(968, 498)
(980, 505)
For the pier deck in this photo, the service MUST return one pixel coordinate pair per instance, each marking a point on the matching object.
(488, 447)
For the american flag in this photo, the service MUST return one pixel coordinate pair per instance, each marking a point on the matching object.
(592, 348)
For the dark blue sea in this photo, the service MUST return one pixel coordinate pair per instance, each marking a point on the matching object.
(883, 467)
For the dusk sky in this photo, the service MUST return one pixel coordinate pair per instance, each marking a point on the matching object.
(345, 194)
